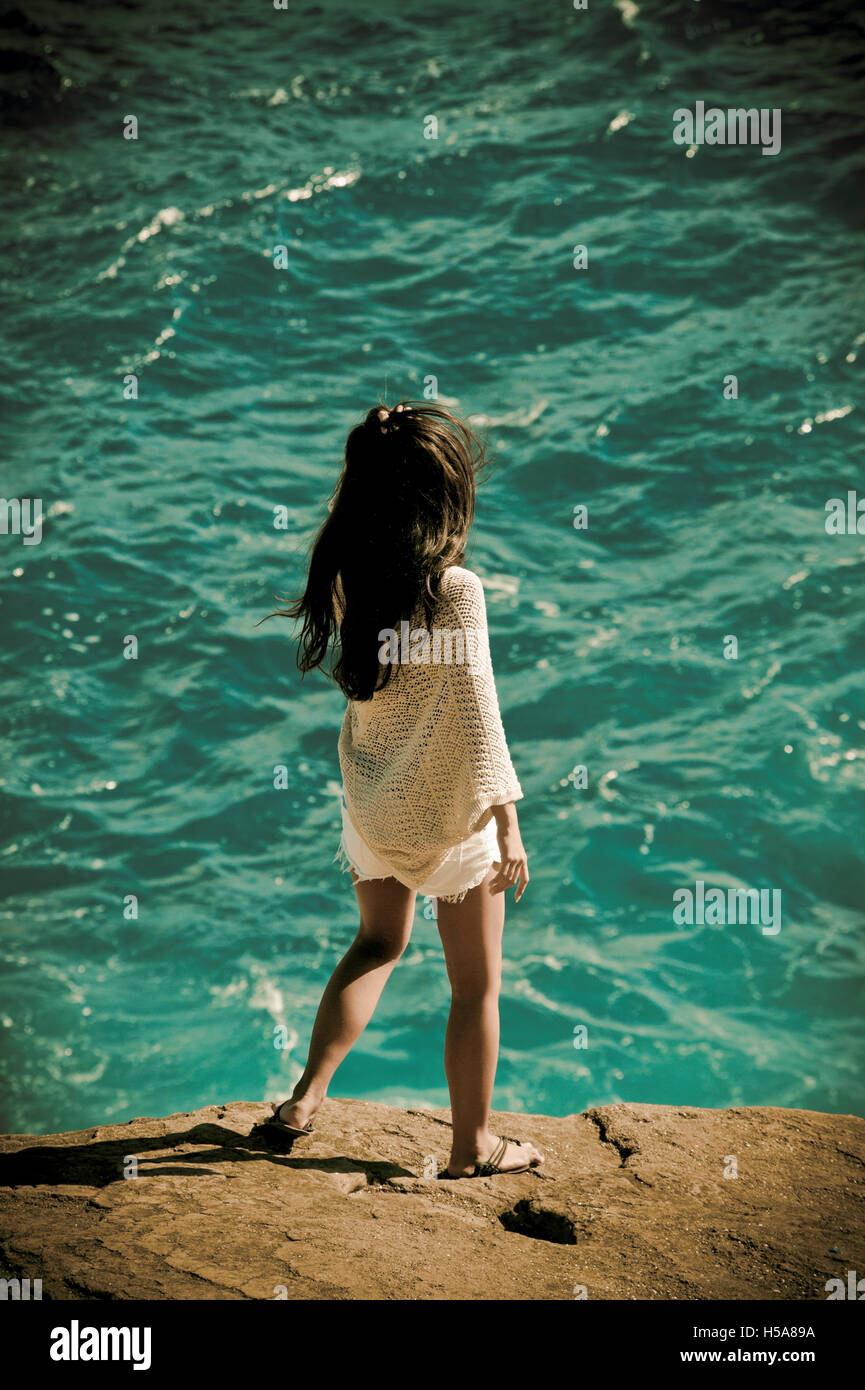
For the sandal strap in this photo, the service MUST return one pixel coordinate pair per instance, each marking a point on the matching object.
(491, 1165)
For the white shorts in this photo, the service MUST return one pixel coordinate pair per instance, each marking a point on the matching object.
(464, 867)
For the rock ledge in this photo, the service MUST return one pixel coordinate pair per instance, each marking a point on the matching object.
(632, 1202)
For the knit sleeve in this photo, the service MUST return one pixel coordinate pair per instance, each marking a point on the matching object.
(485, 770)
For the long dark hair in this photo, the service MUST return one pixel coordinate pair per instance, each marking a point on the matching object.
(399, 516)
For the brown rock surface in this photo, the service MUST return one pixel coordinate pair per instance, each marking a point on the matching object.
(632, 1203)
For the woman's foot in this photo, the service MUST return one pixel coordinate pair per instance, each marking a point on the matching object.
(516, 1157)
(296, 1113)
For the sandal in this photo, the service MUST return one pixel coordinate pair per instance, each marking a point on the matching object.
(279, 1126)
(491, 1168)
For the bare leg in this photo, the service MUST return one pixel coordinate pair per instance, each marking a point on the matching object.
(471, 933)
(354, 989)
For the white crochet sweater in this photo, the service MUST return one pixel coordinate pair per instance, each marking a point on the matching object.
(425, 760)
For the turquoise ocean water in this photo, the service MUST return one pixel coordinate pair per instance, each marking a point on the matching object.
(410, 258)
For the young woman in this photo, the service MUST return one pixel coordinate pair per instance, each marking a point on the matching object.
(428, 784)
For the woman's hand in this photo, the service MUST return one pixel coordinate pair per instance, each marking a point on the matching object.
(512, 866)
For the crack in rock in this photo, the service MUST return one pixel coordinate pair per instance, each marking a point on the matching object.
(626, 1148)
